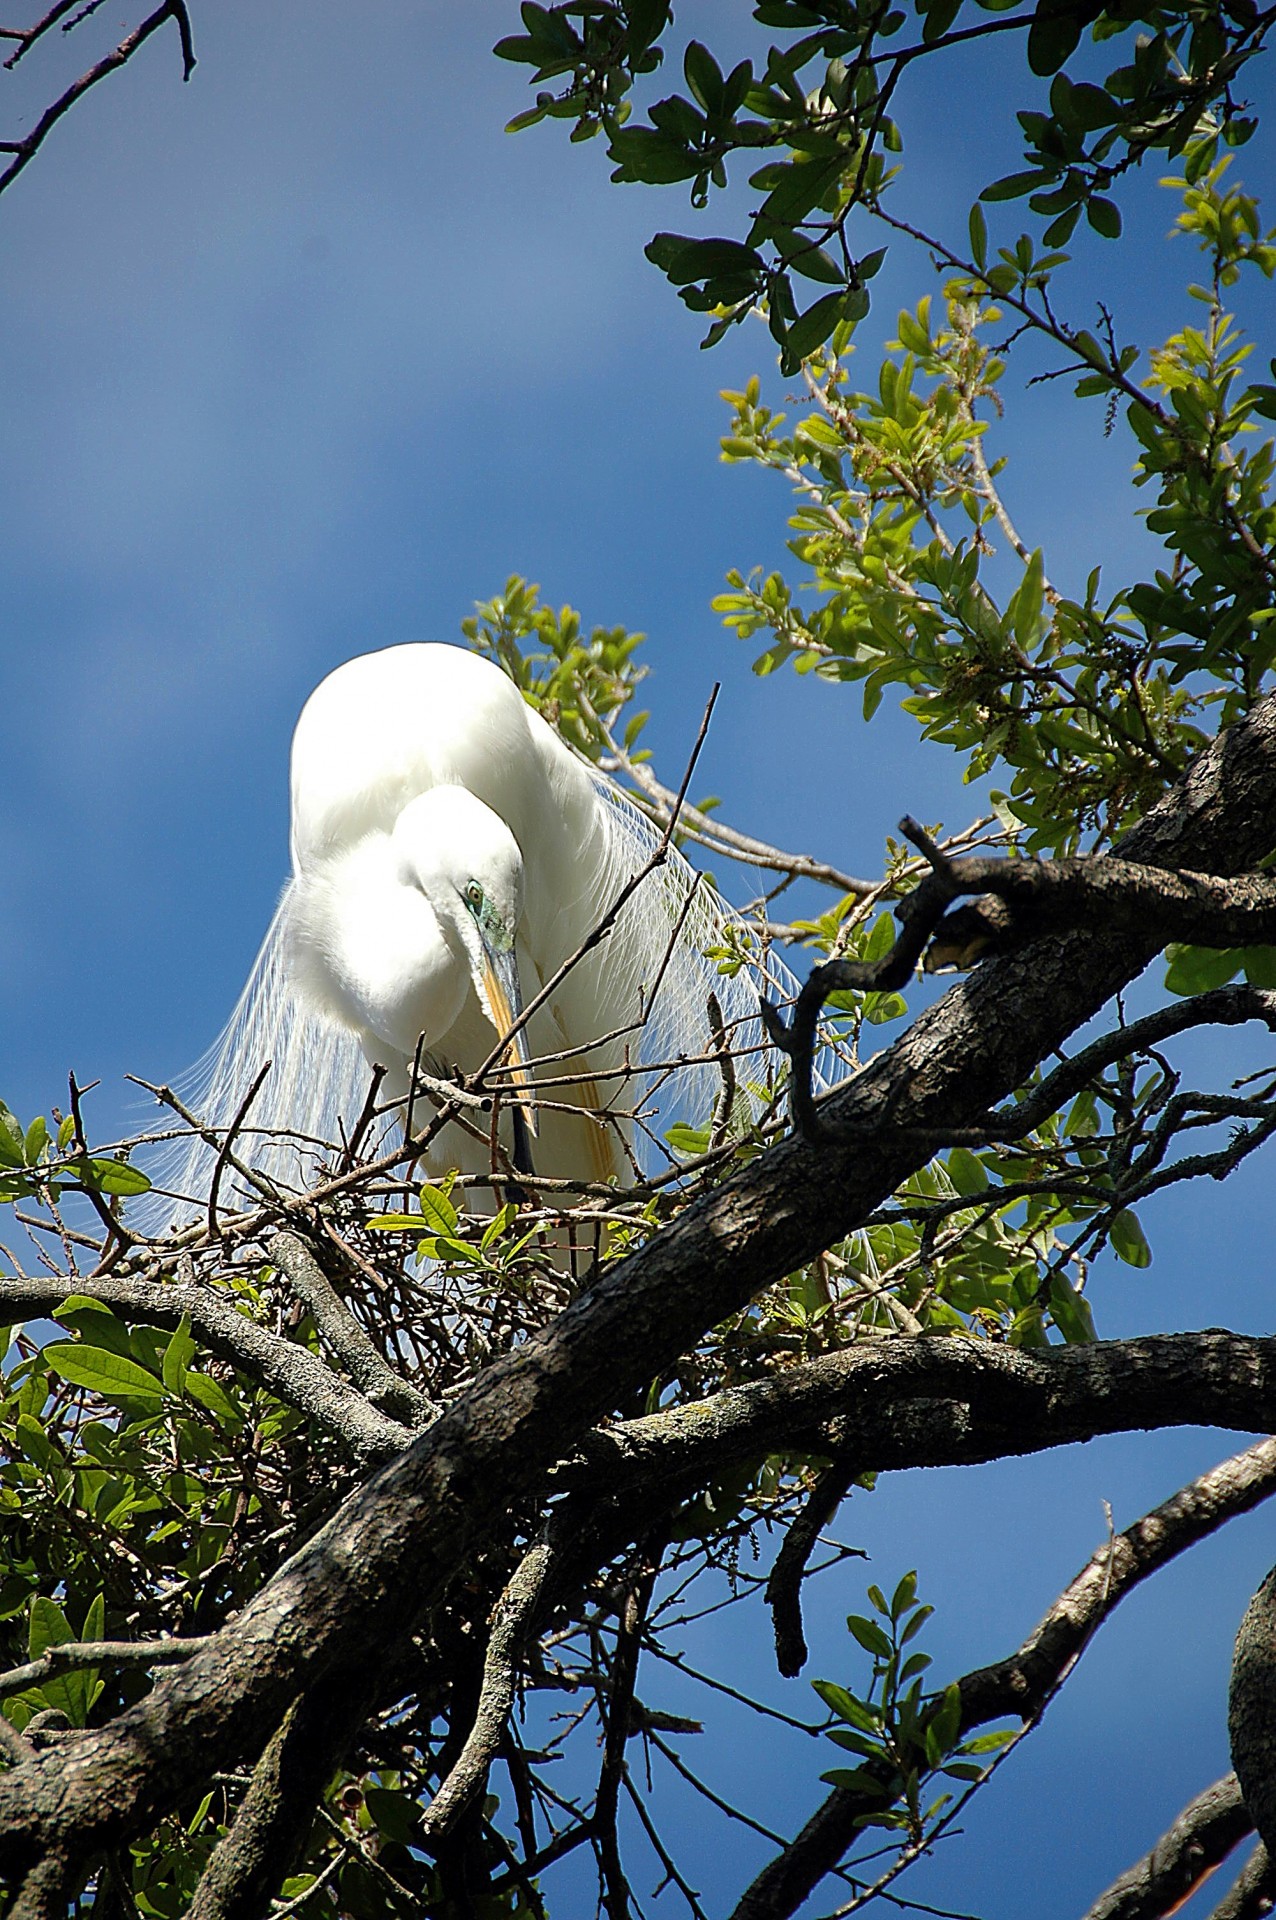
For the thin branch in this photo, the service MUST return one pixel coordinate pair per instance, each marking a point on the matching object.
(784, 1586)
(298, 1377)
(25, 150)
(342, 1334)
(77, 1656)
(1032, 898)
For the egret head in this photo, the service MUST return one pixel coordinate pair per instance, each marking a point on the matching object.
(469, 866)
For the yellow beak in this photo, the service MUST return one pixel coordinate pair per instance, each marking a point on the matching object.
(504, 1003)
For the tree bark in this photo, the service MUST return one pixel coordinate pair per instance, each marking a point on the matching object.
(354, 1590)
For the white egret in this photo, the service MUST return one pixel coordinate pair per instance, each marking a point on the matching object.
(450, 852)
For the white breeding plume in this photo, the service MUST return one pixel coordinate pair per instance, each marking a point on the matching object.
(449, 854)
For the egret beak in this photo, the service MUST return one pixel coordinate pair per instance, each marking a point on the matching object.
(503, 1003)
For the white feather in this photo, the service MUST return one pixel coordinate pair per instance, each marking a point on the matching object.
(379, 732)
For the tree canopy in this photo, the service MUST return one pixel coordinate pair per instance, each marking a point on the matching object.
(340, 1529)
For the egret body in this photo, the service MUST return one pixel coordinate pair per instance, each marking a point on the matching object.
(450, 852)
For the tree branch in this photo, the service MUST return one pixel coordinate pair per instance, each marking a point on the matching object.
(784, 1584)
(1022, 1683)
(1029, 898)
(1204, 1833)
(1252, 1710)
(25, 150)
(921, 1401)
(512, 1618)
(1252, 1894)
(277, 1813)
(297, 1376)
(362, 1582)
(345, 1339)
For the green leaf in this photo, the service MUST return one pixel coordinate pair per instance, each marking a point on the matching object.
(49, 1627)
(1105, 217)
(704, 77)
(96, 1325)
(846, 1706)
(178, 1355)
(978, 235)
(214, 1399)
(437, 1211)
(11, 1139)
(1260, 966)
(870, 1635)
(1013, 186)
(811, 329)
(904, 1595)
(1200, 969)
(117, 1379)
(109, 1176)
(1070, 1310)
(967, 1172)
(1128, 1240)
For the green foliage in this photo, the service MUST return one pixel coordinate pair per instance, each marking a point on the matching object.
(820, 113)
(1089, 705)
(900, 1737)
(42, 1162)
(575, 683)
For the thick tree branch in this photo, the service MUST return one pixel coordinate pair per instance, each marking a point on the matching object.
(277, 1813)
(1252, 1710)
(1029, 898)
(363, 1582)
(928, 1401)
(1204, 1833)
(1252, 1894)
(298, 1377)
(1023, 1683)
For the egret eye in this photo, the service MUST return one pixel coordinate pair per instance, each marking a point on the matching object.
(474, 897)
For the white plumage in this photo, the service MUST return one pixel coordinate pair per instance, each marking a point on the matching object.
(449, 851)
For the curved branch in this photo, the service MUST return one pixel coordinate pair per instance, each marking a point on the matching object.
(296, 1375)
(1251, 1715)
(783, 1593)
(1023, 899)
(511, 1619)
(277, 1813)
(25, 150)
(1252, 1893)
(342, 1334)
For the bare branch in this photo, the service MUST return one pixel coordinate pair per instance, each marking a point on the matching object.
(1252, 1895)
(77, 1656)
(25, 150)
(300, 1378)
(342, 1334)
(784, 1586)
(511, 1619)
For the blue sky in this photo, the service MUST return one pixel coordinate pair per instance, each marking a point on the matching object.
(306, 357)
